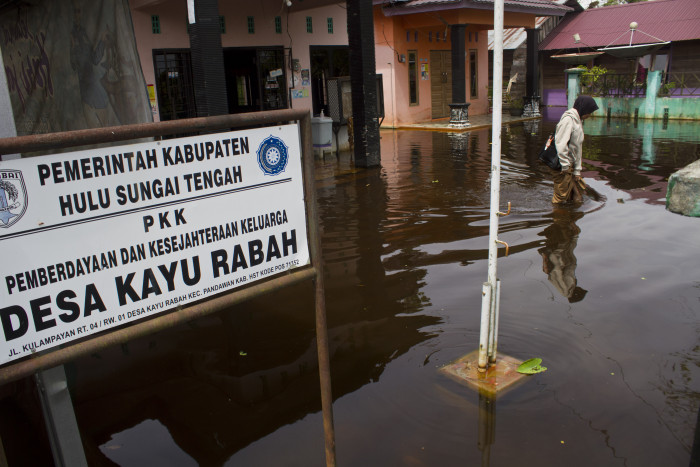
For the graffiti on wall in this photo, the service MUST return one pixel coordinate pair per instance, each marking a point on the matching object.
(72, 65)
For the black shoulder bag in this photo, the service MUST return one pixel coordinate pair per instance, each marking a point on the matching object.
(548, 154)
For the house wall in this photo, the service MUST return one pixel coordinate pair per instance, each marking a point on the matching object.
(684, 108)
(173, 21)
(648, 107)
(173, 36)
(386, 65)
(684, 59)
(390, 39)
(553, 80)
(392, 42)
(684, 56)
(300, 41)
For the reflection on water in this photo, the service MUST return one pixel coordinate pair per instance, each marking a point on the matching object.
(558, 259)
(405, 251)
(148, 432)
(487, 426)
(639, 157)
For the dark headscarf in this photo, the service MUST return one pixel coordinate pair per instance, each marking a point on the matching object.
(585, 105)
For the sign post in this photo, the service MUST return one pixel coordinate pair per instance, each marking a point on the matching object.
(105, 245)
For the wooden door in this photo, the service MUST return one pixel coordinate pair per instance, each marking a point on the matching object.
(440, 82)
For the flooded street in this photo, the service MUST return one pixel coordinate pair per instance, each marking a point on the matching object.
(606, 293)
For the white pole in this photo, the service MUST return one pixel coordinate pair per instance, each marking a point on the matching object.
(485, 320)
(495, 181)
(493, 343)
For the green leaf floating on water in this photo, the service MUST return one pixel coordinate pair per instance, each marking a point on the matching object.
(532, 366)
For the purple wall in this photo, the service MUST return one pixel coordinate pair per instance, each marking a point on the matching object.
(554, 97)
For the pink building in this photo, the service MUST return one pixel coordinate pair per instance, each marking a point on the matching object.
(278, 53)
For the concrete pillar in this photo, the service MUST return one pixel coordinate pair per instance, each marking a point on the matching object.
(653, 86)
(573, 85)
(459, 108)
(459, 61)
(363, 83)
(208, 71)
(532, 80)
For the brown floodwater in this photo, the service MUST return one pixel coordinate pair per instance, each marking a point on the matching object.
(607, 293)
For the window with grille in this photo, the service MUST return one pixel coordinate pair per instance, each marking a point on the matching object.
(330, 25)
(155, 24)
(412, 77)
(251, 25)
(473, 74)
(309, 25)
(174, 84)
(278, 24)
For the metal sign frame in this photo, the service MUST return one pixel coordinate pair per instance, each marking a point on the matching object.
(71, 139)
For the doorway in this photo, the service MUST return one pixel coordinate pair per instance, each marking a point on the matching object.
(174, 84)
(326, 62)
(255, 79)
(440, 82)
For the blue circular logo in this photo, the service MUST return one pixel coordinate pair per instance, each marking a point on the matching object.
(273, 155)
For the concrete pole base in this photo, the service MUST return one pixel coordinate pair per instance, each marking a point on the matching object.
(499, 376)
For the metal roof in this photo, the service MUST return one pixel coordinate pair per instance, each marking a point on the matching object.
(407, 7)
(514, 37)
(658, 20)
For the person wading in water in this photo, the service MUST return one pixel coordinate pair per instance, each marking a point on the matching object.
(568, 139)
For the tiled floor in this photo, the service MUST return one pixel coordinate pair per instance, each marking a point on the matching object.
(476, 121)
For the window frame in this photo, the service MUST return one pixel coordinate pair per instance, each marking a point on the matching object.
(413, 84)
(278, 25)
(155, 24)
(474, 73)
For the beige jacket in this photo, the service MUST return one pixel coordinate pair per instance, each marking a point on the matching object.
(569, 140)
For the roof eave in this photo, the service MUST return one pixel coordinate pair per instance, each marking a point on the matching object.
(402, 9)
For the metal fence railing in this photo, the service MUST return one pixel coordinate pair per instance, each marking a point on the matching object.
(673, 84)
(613, 85)
(680, 84)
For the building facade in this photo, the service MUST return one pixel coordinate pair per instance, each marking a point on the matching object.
(280, 54)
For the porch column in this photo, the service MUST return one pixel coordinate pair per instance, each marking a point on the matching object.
(459, 108)
(573, 85)
(653, 86)
(532, 81)
(363, 83)
(208, 72)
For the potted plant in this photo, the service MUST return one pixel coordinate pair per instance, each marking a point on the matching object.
(513, 104)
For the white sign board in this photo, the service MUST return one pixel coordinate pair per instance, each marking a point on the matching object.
(95, 239)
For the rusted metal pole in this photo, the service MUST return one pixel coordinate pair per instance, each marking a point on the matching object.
(70, 139)
(324, 367)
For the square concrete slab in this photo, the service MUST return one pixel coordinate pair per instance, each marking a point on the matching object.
(497, 378)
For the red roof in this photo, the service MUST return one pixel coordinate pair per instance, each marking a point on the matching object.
(658, 20)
